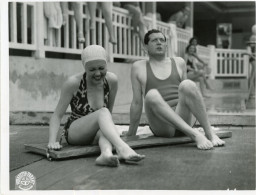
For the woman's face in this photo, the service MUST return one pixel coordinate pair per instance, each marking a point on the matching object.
(96, 71)
(194, 42)
(192, 49)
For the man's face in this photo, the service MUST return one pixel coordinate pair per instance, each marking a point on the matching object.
(157, 44)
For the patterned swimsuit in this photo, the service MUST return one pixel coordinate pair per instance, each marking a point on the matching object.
(80, 106)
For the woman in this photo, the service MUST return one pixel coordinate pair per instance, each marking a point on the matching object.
(91, 96)
(195, 70)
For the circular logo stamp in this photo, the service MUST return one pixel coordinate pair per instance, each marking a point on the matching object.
(25, 181)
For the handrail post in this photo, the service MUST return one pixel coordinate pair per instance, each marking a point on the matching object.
(39, 30)
(213, 61)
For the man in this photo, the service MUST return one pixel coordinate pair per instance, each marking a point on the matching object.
(170, 100)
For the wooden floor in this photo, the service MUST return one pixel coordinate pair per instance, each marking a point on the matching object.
(177, 167)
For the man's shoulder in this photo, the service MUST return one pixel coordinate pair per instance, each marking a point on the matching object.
(139, 64)
(179, 60)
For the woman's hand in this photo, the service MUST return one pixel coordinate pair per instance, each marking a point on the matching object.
(54, 146)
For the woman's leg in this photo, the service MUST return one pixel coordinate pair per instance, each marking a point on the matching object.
(106, 157)
(64, 8)
(82, 132)
(137, 20)
(92, 10)
(107, 13)
(78, 13)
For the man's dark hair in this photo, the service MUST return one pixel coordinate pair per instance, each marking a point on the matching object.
(146, 37)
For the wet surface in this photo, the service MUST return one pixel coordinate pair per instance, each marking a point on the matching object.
(226, 103)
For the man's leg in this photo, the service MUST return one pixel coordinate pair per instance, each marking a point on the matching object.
(163, 120)
(191, 100)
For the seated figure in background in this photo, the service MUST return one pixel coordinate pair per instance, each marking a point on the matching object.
(195, 69)
(180, 18)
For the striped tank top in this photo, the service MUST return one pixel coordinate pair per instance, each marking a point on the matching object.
(168, 88)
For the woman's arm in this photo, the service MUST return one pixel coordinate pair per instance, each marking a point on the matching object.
(201, 62)
(65, 98)
(113, 84)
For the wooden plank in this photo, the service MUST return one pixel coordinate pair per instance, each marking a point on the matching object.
(139, 141)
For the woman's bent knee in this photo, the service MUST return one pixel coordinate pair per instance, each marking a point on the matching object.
(103, 113)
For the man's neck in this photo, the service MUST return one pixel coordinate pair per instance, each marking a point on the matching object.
(157, 58)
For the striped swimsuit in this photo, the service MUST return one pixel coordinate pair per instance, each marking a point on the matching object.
(168, 88)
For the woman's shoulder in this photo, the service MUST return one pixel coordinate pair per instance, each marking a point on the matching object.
(72, 82)
(112, 79)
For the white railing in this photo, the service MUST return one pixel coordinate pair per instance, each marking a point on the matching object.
(128, 43)
(28, 30)
(64, 40)
(22, 28)
(231, 63)
(225, 62)
(183, 36)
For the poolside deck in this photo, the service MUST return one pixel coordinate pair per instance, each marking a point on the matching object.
(179, 167)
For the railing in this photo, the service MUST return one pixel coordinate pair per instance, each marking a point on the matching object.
(22, 28)
(183, 37)
(29, 31)
(225, 62)
(231, 63)
(64, 40)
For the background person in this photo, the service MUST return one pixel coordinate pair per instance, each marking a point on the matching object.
(195, 70)
(106, 8)
(180, 18)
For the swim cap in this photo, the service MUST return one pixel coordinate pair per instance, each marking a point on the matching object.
(93, 52)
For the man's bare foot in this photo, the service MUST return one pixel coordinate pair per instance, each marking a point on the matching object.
(129, 154)
(107, 160)
(202, 142)
(216, 141)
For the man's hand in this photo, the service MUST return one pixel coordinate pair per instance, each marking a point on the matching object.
(125, 134)
(54, 146)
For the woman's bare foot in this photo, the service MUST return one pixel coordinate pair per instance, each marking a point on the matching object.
(107, 160)
(202, 142)
(216, 141)
(129, 154)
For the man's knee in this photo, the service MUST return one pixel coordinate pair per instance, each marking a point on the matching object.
(152, 97)
(188, 87)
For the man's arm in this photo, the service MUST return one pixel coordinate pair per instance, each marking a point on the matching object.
(137, 101)
(182, 67)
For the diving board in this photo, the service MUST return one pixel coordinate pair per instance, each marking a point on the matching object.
(138, 141)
